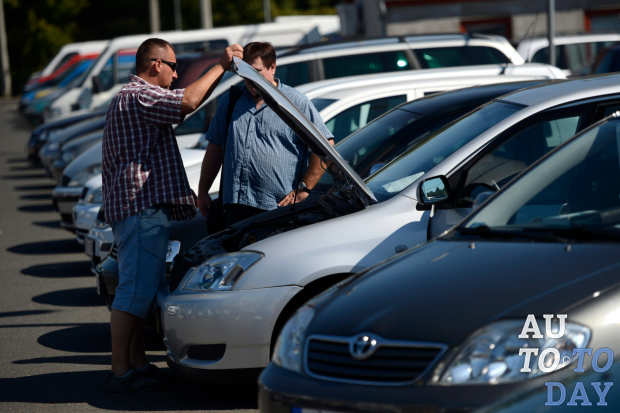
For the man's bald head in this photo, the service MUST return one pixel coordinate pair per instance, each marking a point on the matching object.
(151, 49)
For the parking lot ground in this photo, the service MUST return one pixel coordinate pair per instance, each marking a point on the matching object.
(54, 328)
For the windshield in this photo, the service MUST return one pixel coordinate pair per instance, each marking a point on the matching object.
(433, 149)
(80, 81)
(575, 190)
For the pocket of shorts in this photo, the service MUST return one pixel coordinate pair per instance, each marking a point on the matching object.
(151, 212)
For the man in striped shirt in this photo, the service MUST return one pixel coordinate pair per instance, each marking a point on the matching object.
(144, 188)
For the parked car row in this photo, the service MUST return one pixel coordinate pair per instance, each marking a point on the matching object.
(457, 202)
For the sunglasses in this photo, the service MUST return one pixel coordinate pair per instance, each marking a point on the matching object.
(172, 65)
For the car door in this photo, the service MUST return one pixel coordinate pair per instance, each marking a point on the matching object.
(506, 157)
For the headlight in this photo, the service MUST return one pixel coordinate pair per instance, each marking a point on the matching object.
(43, 136)
(68, 156)
(289, 348)
(85, 174)
(95, 197)
(52, 146)
(221, 272)
(491, 355)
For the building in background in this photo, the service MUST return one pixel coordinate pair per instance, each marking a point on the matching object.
(510, 18)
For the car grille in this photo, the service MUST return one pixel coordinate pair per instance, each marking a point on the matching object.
(393, 363)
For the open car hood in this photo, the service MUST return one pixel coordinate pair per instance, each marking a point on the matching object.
(305, 129)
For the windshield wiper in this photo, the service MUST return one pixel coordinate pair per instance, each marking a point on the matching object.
(581, 232)
(486, 232)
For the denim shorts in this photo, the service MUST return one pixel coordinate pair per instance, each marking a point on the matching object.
(142, 241)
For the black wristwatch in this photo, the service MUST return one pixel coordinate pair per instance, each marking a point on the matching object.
(303, 187)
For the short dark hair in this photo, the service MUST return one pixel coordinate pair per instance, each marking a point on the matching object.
(147, 51)
(264, 50)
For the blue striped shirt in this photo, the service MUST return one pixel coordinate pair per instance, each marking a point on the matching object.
(263, 155)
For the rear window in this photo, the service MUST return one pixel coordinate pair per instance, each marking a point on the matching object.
(369, 63)
(320, 103)
(459, 56)
(574, 57)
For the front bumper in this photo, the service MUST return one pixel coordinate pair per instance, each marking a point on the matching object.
(242, 321)
(282, 390)
(64, 199)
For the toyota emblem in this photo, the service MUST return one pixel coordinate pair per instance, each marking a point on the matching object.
(362, 346)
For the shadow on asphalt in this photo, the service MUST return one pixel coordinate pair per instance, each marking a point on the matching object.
(25, 168)
(95, 359)
(60, 270)
(31, 176)
(16, 160)
(78, 297)
(37, 208)
(26, 312)
(92, 338)
(37, 197)
(48, 224)
(34, 187)
(64, 246)
(89, 387)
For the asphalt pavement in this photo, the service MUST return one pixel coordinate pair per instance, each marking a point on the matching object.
(54, 328)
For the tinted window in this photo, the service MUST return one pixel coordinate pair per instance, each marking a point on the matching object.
(356, 117)
(293, 74)
(459, 56)
(498, 167)
(574, 57)
(106, 76)
(320, 103)
(365, 64)
(194, 123)
(610, 62)
(435, 148)
(200, 46)
(126, 66)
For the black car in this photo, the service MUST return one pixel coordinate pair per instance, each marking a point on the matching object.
(443, 327)
(380, 141)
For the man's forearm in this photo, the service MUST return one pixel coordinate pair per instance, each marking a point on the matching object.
(211, 164)
(200, 90)
(314, 172)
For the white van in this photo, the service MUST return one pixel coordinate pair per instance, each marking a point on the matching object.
(117, 62)
(70, 50)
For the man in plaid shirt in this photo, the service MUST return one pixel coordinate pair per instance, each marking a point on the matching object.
(144, 188)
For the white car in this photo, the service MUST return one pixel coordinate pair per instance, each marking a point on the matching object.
(117, 61)
(573, 54)
(348, 104)
(246, 281)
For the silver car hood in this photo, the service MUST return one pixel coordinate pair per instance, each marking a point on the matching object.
(302, 126)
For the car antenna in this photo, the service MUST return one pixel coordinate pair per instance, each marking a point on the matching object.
(529, 45)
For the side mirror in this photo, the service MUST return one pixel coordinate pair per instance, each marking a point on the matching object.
(433, 190)
(97, 87)
(375, 168)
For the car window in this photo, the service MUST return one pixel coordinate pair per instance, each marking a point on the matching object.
(577, 186)
(574, 57)
(497, 168)
(610, 62)
(194, 123)
(200, 46)
(293, 74)
(356, 117)
(364, 64)
(126, 66)
(320, 103)
(429, 152)
(459, 56)
(106, 76)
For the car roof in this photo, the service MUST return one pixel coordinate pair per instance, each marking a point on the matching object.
(439, 101)
(324, 87)
(556, 93)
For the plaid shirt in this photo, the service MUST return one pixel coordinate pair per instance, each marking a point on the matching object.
(142, 165)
